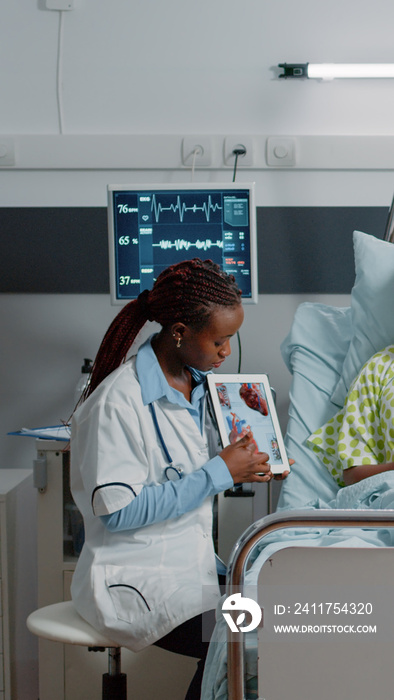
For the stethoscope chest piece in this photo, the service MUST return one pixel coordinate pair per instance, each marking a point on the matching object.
(173, 473)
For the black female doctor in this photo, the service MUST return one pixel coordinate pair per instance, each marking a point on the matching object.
(145, 465)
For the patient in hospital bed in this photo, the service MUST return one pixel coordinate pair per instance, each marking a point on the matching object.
(358, 442)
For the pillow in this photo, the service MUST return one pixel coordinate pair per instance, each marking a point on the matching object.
(372, 307)
(314, 352)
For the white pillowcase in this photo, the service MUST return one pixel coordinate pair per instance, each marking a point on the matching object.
(372, 307)
(314, 351)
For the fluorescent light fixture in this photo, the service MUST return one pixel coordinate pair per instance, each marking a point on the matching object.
(329, 71)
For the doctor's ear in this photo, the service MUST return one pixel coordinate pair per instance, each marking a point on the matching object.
(178, 328)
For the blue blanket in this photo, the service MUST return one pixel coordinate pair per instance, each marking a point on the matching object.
(375, 493)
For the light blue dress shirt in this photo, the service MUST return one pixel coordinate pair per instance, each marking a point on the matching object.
(156, 503)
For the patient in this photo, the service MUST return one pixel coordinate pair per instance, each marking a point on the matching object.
(358, 441)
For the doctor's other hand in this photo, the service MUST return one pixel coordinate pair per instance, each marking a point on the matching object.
(280, 477)
(244, 464)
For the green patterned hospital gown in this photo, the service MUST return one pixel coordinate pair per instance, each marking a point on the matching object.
(363, 431)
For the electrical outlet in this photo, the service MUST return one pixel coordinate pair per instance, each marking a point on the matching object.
(197, 148)
(7, 151)
(233, 142)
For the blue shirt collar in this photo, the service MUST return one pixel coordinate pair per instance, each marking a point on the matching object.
(154, 385)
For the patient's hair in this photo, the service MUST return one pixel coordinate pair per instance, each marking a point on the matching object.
(186, 292)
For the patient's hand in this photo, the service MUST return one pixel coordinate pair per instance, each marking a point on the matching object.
(353, 475)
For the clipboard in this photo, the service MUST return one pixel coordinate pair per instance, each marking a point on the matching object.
(52, 432)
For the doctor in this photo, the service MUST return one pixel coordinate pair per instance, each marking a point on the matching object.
(146, 463)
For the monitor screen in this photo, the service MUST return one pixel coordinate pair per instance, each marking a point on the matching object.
(153, 226)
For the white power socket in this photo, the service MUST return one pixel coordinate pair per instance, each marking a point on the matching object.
(233, 142)
(59, 4)
(197, 148)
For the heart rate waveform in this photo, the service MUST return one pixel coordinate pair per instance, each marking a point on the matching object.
(207, 207)
(181, 244)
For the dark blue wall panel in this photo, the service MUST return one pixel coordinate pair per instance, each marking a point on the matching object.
(64, 250)
(310, 249)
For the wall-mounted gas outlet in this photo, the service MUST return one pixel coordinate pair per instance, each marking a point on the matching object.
(232, 143)
(197, 149)
(7, 151)
(281, 151)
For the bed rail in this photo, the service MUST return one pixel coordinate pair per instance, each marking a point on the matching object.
(366, 519)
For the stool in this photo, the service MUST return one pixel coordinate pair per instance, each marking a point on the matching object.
(60, 622)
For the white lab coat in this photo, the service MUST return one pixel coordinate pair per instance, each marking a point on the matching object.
(137, 585)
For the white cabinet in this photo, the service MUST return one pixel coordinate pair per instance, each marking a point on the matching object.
(68, 672)
(18, 591)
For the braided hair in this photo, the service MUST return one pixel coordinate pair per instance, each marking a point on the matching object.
(185, 292)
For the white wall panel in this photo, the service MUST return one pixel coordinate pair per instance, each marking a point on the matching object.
(164, 152)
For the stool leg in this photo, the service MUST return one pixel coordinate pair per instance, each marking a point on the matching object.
(114, 682)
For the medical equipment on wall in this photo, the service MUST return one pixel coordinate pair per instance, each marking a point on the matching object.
(153, 226)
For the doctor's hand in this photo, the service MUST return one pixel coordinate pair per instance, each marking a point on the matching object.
(244, 464)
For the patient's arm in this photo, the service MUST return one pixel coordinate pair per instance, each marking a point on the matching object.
(363, 471)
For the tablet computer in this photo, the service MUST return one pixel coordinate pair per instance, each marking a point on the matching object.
(243, 403)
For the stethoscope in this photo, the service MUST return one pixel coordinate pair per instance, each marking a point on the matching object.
(170, 472)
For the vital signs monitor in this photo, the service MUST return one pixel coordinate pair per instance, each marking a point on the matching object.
(153, 226)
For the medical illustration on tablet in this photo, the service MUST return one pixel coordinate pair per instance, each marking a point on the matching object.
(243, 403)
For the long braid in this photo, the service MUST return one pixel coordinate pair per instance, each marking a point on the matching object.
(116, 343)
(185, 292)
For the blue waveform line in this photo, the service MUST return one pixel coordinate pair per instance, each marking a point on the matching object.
(181, 207)
(181, 244)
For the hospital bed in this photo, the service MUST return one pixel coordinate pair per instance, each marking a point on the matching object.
(323, 542)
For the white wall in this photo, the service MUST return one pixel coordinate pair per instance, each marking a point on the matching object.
(172, 68)
(195, 67)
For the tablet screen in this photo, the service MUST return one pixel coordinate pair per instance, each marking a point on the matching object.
(244, 404)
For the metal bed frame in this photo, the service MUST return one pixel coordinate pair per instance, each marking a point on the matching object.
(255, 534)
